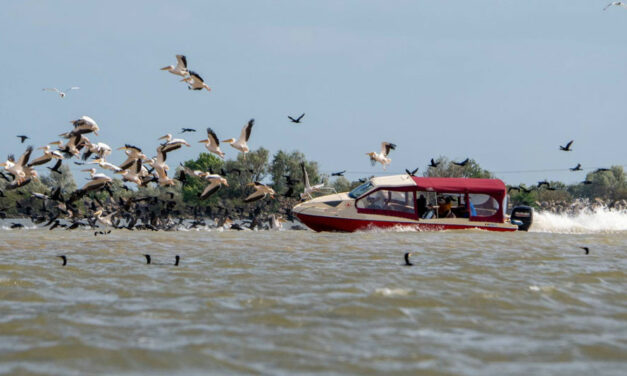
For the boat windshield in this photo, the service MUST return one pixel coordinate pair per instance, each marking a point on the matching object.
(359, 191)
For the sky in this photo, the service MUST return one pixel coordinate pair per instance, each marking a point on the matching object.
(502, 82)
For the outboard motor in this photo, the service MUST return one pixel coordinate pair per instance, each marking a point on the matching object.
(522, 216)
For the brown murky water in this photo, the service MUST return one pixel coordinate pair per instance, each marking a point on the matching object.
(295, 302)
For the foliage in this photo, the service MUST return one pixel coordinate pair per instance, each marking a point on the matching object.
(447, 169)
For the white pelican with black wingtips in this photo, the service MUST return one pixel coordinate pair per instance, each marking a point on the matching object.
(261, 191)
(181, 66)
(212, 143)
(382, 157)
(196, 82)
(241, 143)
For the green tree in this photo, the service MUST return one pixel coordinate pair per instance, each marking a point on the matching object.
(447, 169)
(284, 164)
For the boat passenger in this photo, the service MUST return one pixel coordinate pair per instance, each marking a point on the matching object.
(421, 204)
(444, 208)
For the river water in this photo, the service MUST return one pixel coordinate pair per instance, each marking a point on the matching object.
(299, 302)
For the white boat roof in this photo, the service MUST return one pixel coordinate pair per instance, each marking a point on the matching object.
(393, 181)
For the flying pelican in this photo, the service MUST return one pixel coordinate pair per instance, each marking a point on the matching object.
(241, 143)
(47, 157)
(163, 178)
(18, 169)
(261, 191)
(382, 157)
(85, 124)
(181, 66)
(94, 174)
(212, 143)
(133, 153)
(62, 94)
(73, 147)
(97, 182)
(616, 3)
(106, 220)
(172, 143)
(308, 188)
(99, 148)
(215, 183)
(195, 82)
(106, 165)
(132, 174)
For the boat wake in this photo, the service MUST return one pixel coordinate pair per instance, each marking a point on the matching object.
(599, 220)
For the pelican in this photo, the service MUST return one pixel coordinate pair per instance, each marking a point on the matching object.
(18, 169)
(61, 93)
(215, 183)
(29, 173)
(616, 3)
(159, 160)
(47, 157)
(85, 124)
(133, 153)
(163, 178)
(73, 147)
(132, 174)
(106, 220)
(383, 156)
(97, 182)
(181, 66)
(93, 174)
(241, 143)
(106, 165)
(195, 82)
(172, 143)
(99, 148)
(261, 191)
(212, 143)
(275, 222)
(309, 189)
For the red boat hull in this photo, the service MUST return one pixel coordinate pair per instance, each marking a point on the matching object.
(334, 224)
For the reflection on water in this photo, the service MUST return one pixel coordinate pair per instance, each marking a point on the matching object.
(291, 302)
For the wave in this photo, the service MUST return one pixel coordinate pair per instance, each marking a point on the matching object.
(597, 220)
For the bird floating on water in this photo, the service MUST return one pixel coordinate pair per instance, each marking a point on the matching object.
(62, 257)
(586, 249)
(407, 262)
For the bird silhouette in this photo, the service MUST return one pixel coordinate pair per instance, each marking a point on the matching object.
(177, 259)
(23, 138)
(64, 260)
(407, 262)
(586, 249)
(297, 120)
(576, 168)
(411, 173)
(56, 167)
(586, 182)
(601, 170)
(544, 182)
(434, 164)
(339, 173)
(462, 163)
(567, 147)
(183, 130)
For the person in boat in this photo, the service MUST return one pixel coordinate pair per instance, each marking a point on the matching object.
(421, 204)
(444, 208)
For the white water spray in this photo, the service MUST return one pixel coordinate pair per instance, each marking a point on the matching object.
(597, 220)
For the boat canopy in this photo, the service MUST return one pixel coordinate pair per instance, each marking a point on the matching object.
(493, 187)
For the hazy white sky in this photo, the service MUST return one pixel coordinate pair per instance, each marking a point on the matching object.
(503, 82)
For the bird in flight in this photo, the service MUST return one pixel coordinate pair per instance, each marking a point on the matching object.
(601, 170)
(22, 137)
(196, 82)
(567, 147)
(297, 120)
(576, 168)
(339, 173)
(382, 157)
(462, 163)
(616, 3)
(181, 66)
(61, 93)
(434, 164)
(183, 130)
(412, 172)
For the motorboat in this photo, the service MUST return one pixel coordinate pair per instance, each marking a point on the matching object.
(422, 203)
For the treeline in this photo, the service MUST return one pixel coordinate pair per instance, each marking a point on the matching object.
(283, 171)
